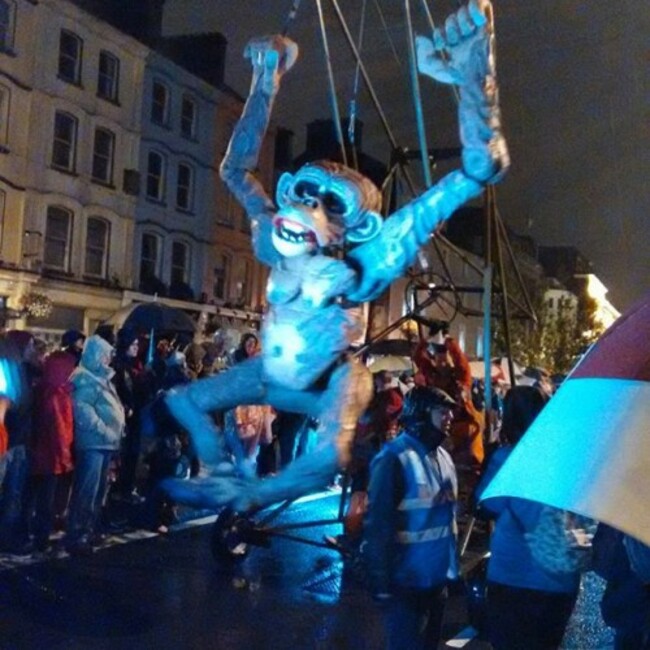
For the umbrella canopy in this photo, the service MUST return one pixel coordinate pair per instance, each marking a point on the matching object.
(144, 317)
(396, 347)
(391, 363)
(589, 449)
(499, 371)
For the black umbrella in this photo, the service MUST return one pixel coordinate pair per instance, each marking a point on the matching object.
(393, 347)
(145, 317)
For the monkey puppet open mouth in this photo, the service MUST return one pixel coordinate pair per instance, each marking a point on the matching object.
(292, 238)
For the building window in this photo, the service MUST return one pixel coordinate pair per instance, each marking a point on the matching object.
(160, 103)
(156, 176)
(108, 76)
(228, 217)
(462, 336)
(220, 286)
(103, 153)
(3, 201)
(479, 343)
(188, 117)
(7, 12)
(64, 146)
(5, 97)
(149, 256)
(97, 238)
(184, 187)
(244, 223)
(244, 283)
(58, 230)
(180, 263)
(70, 49)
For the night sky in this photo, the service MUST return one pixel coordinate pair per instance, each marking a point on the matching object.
(575, 97)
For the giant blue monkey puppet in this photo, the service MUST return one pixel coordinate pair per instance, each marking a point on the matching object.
(314, 295)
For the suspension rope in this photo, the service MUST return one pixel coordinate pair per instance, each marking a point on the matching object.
(291, 17)
(332, 86)
(355, 89)
(384, 25)
(371, 90)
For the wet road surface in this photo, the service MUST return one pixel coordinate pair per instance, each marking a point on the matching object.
(168, 592)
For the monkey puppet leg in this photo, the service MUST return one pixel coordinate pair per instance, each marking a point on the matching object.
(337, 408)
(192, 405)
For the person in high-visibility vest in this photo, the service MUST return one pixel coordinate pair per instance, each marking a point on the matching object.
(410, 531)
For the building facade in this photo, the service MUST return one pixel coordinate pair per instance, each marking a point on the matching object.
(174, 234)
(109, 187)
(71, 96)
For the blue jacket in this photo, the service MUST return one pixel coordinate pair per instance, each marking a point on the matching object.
(511, 561)
(410, 529)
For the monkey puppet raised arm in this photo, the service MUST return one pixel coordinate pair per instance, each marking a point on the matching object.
(342, 203)
(461, 53)
(270, 57)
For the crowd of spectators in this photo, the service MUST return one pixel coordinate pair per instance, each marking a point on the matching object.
(85, 438)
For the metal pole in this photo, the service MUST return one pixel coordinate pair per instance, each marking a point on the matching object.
(487, 319)
(487, 342)
(504, 291)
(417, 97)
(513, 260)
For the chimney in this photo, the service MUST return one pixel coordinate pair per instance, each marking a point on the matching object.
(201, 54)
(283, 149)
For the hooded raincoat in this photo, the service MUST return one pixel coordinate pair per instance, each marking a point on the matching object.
(53, 421)
(98, 412)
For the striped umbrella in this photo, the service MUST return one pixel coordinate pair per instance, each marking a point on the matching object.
(589, 449)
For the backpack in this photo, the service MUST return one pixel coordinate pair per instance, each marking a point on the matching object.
(609, 558)
(560, 542)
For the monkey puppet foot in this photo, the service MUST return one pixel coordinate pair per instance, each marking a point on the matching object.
(211, 492)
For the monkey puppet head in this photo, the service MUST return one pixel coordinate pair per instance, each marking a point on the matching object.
(324, 204)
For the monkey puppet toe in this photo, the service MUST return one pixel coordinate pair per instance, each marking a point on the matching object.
(209, 492)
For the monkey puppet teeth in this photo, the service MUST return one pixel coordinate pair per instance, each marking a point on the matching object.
(294, 232)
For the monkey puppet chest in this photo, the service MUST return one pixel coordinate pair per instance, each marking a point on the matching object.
(306, 330)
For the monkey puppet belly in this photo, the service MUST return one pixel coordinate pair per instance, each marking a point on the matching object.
(299, 345)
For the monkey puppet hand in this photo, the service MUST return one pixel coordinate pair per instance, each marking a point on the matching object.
(460, 48)
(271, 57)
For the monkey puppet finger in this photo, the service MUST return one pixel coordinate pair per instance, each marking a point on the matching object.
(465, 22)
(271, 64)
(431, 62)
(452, 30)
(481, 13)
(287, 50)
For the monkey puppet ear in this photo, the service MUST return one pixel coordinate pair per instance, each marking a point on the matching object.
(367, 229)
(283, 189)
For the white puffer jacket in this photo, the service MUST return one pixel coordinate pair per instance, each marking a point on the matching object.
(98, 412)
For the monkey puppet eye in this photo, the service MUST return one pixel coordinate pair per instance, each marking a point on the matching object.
(333, 203)
(305, 189)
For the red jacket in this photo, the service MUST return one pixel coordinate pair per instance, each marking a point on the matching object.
(452, 378)
(53, 425)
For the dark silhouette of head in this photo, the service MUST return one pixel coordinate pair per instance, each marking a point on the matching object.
(522, 404)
